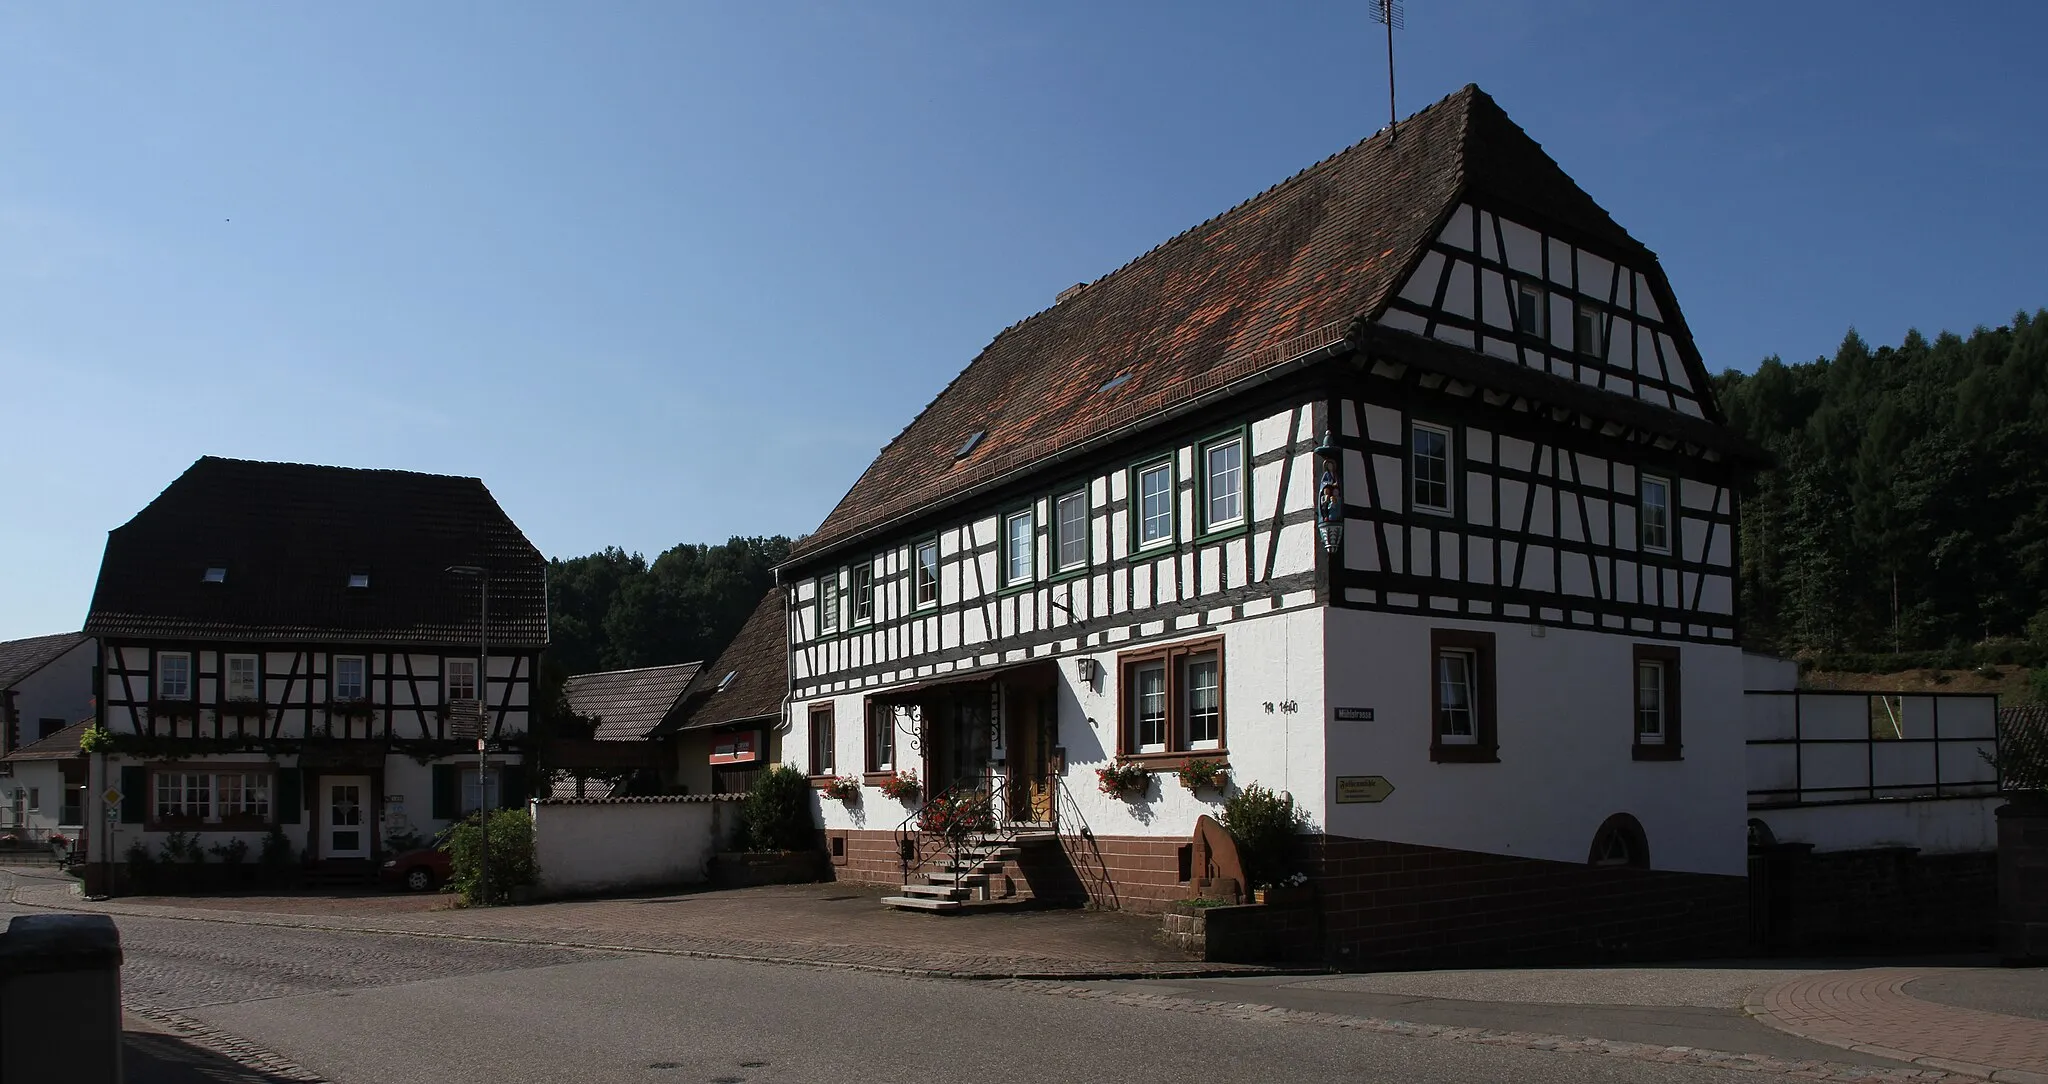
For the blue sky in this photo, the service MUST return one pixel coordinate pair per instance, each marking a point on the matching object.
(674, 271)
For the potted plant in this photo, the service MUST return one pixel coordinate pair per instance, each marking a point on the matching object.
(845, 789)
(903, 786)
(1122, 779)
(1200, 772)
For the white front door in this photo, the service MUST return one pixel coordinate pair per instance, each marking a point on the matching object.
(348, 821)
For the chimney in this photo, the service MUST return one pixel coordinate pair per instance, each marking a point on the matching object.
(1070, 293)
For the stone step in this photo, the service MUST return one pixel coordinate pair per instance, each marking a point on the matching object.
(944, 892)
(949, 877)
(921, 903)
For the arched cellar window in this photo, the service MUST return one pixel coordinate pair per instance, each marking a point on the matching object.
(1620, 842)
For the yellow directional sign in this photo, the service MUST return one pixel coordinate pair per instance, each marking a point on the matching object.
(1362, 788)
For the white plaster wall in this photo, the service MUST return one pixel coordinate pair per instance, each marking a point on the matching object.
(1762, 673)
(1935, 826)
(601, 847)
(62, 689)
(1271, 658)
(47, 779)
(1564, 713)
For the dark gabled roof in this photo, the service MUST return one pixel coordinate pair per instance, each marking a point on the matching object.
(758, 660)
(290, 535)
(20, 658)
(629, 703)
(63, 745)
(1238, 297)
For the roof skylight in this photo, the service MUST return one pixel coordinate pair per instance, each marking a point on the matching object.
(216, 574)
(359, 580)
(726, 681)
(973, 440)
(1115, 382)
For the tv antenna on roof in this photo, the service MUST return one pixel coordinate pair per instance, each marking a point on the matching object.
(1390, 14)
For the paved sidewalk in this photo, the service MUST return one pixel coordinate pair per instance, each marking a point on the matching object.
(1873, 1012)
(832, 925)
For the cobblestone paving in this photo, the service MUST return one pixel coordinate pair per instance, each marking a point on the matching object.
(827, 925)
(1870, 1012)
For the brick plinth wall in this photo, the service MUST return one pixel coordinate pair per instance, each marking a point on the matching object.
(1887, 899)
(1394, 904)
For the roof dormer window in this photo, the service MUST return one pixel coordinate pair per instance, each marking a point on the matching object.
(359, 581)
(215, 574)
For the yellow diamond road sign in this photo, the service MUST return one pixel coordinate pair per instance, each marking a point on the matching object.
(113, 795)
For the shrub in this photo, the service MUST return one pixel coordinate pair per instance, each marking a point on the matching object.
(777, 812)
(277, 849)
(183, 847)
(957, 817)
(511, 859)
(1267, 828)
(233, 853)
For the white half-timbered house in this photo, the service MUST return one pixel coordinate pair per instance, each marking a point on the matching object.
(1400, 488)
(297, 647)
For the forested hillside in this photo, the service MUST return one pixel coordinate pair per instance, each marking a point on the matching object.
(1909, 510)
(614, 610)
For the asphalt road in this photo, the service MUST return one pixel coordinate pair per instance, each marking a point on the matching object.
(386, 1009)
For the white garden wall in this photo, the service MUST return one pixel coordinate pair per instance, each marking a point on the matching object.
(607, 844)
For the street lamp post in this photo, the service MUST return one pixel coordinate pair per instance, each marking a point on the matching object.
(483, 663)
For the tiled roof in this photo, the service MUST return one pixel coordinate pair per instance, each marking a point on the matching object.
(2023, 745)
(20, 658)
(563, 788)
(758, 659)
(63, 745)
(1236, 297)
(629, 703)
(289, 536)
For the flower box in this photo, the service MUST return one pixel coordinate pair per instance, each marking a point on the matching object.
(1199, 773)
(903, 786)
(845, 789)
(1123, 780)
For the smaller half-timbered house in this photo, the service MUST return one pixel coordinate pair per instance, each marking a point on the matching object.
(295, 647)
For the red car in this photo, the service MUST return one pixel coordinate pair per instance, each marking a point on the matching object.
(419, 871)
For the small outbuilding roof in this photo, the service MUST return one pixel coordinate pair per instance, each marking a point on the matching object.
(630, 703)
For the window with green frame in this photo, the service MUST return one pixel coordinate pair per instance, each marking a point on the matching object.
(1223, 477)
(926, 587)
(1070, 543)
(1152, 503)
(1020, 546)
(864, 592)
(828, 602)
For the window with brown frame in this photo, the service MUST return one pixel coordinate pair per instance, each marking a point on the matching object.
(821, 740)
(1656, 703)
(1461, 697)
(880, 737)
(1172, 701)
(213, 796)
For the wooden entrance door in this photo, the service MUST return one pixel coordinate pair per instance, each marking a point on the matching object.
(1030, 740)
(346, 799)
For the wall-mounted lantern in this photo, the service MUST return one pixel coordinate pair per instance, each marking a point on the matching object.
(1087, 670)
(1330, 495)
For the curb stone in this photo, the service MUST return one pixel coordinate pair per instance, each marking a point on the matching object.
(1836, 1072)
(238, 1050)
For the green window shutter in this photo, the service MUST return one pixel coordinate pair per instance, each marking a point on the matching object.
(291, 802)
(512, 786)
(134, 793)
(447, 792)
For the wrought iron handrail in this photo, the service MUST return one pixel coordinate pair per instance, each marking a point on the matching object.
(913, 832)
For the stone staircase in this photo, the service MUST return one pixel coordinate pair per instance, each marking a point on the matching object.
(964, 877)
